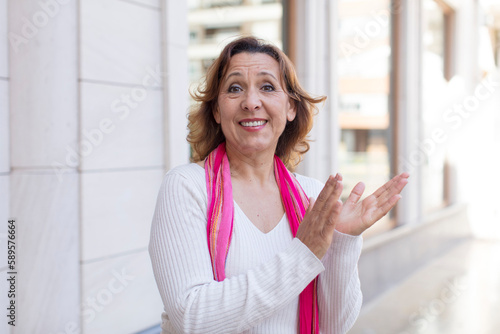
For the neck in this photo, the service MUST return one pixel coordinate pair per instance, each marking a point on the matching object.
(258, 167)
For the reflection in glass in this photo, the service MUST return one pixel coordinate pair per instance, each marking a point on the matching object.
(364, 72)
(434, 90)
(215, 23)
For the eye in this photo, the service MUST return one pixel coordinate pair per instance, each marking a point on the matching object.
(234, 89)
(268, 88)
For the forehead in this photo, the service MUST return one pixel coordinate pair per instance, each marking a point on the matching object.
(253, 62)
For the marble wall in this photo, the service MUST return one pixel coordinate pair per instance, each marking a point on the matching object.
(43, 103)
(125, 122)
(92, 95)
(316, 65)
(4, 157)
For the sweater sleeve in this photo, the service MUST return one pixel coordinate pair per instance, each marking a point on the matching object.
(194, 302)
(339, 291)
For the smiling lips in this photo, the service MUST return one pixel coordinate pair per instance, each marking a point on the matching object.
(253, 123)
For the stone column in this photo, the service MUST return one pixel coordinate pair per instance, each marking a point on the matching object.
(122, 131)
(43, 73)
(88, 125)
(406, 104)
(175, 96)
(4, 161)
(315, 53)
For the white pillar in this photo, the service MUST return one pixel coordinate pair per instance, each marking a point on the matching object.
(316, 68)
(176, 82)
(43, 73)
(4, 159)
(121, 119)
(467, 62)
(87, 155)
(406, 118)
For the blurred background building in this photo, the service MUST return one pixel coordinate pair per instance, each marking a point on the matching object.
(93, 103)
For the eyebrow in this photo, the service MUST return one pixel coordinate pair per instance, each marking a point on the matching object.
(262, 73)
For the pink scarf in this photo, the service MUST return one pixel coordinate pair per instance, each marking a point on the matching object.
(220, 215)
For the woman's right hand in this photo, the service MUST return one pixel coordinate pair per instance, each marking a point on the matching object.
(317, 227)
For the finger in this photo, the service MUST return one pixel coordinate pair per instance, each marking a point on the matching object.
(326, 192)
(405, 175)
(335, 207)
(386, 207)
(331, 208)
(337, 191)
(356, 193)
(395, 189)
(311, 204)
(391, 185)
(334, 216)
(386, 186)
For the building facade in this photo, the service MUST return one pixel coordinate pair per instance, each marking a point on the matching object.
(93, 103)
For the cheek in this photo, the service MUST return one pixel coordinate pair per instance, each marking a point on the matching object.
(225, 110)
(280, 123)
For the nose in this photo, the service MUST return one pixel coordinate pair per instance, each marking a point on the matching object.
(251, 101)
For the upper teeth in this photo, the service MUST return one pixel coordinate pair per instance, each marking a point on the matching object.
(254, 123)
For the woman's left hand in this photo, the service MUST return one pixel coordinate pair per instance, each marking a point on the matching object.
(357, 216)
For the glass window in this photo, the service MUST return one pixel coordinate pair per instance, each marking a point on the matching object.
(497, 46)
(434, 91)
(214, 23)
(364, 89)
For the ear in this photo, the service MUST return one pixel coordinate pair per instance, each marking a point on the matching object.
(292, 110)
(216, 114)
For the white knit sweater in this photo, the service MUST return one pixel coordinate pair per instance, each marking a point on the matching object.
(265, 271)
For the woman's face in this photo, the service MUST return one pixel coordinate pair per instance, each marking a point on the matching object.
(253, 107)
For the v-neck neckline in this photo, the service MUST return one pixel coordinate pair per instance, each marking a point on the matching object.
(249, 220)
(253, 225)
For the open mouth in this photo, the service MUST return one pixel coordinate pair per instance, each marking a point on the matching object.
(253, 123)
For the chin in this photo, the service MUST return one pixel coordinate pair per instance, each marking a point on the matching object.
(256, 148)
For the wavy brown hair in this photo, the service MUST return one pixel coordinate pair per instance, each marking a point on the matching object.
(205, 133)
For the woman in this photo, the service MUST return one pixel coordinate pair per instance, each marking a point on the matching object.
(238, 243)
